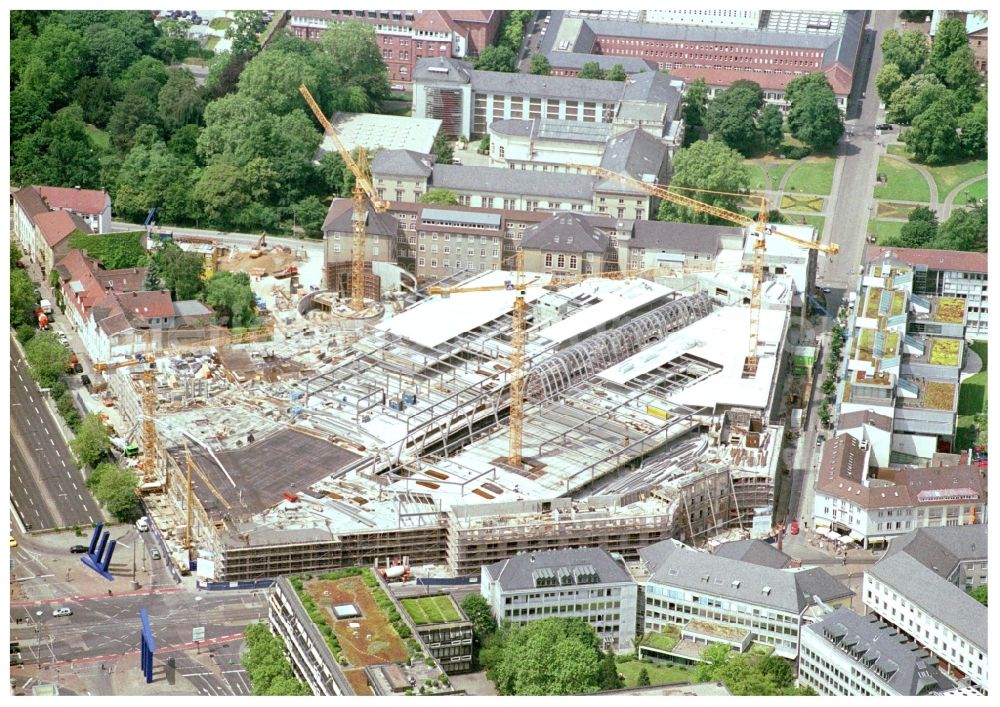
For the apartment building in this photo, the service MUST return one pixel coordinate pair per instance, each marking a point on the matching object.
(771, 603)
(947, 273)
(44, 217)
(381, 231)
(405, 36)
(848, 655)
(872, 504)
(768, 47)
(567, 244)
(586, 583)
(686, 246)
(921, 585)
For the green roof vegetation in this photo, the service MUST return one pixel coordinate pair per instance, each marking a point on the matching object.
(664, 640)
(432, 610)
(659, 673)
(898, 300)
(944, 352)
(939, 396)
(871, 304)
(950, 310)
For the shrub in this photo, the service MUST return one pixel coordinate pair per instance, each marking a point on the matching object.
(794, 152)
(25, 333)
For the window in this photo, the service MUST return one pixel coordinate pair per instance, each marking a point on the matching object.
(500, 151)
(561, 261)
(548, 259)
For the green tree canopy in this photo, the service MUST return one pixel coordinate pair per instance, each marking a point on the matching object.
(907, 50)
(479, 613)
(913, 97)
(115, 490)
(59, 153)
(540, 65)
(180, 271)
(151, 281)
(311, 213)
(180, 101)
(933, 138)
(232, 298)
(272, 80)
(710, 165)
(948, 39)
(965, 230)
(732, 116)
(616, 73)
(771, 131)
(607, 673)
(243, 31)
(146, 77)
(129, 113)
(494, 58)
(111, 50)
(91, 442)
(695, 107)
(547, 657)
(643, 679)
(751, 673)
(354, 64)
(887, 80)
(980, 593)
(442, 197)
(28, 110)
(22, 298)
(442, 148)
(813, 116)
(591, 70)
(57, 58)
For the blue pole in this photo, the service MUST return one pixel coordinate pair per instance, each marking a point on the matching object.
(107, 558)
(104, 542)
(93, 538)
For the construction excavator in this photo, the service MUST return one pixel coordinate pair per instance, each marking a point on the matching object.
(362, 195)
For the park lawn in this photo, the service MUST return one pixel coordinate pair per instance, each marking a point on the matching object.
(757, 182)
(101, 138)
(776, 170)
(904, 182)
(814, 221)
(884, 229)
(950, 176)
(972, 399)
(659, 673)
(221, 22)
(812, 177)
(979, 190)
(899, 149)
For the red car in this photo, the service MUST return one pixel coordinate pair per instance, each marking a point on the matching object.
(794, 528)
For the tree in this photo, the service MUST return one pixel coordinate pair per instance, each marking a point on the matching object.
(695, 107)
(731, 117)
(709, 165)
(616, 73)
(28, 110)
(56, 60)
(116, 491)
(540, 65)
(442, 149)
(154, 176)
(183, 143)
(47, 358)
(814, 117)
(479, 613)
(272, 79)
(353, 63)
(497, 59)
(180, 271)
(151, 281)
(771, 128)
(949, 38)
(804, 84)
(915, 15)
(128, 114)
(243, 31)
(887, 80)
(591, 70)
(232, 298)
(824, 412)
(933, 136)
(913, 97)
(965, 230)
(643, 679)
(173, 44)
(907, 50)
(22, 298)
(972, 131)
(111, 50)
(59, 153)
(311, 213)
(441, 197)
(980, 593)
(484, 145)
(607, 673)
(146, 77)
(180, 101)
(220, 191)
(961, 75)
(548, 657)
(91, 442)
(715, 656)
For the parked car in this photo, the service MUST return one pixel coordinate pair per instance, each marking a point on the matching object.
(819, 440)
(38, 295)
(78, 549)
(884, 126)
(63, 611)
(85, 380)
(794, 527)
(142, 525)
(827, 290)
(154, 553)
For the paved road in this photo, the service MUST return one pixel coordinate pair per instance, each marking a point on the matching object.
(245, 240)
(47, 490)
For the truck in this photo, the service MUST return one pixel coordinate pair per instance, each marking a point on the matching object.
(45, 306)
(287, 272)
(43, 320)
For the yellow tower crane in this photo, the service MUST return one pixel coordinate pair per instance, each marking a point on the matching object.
(759, 226)
(363, 192)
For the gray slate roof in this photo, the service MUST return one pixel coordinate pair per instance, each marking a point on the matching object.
(786, 590)
(567, 87)
(681, 237)
(553, 129)
(656, 554)
(756, 552)
(635, 153)
(653, 87)
(918, 564)
(496, 180)
(429, 69)
(576, 60)
(338, 219)
(914, 672)
(515, 573)
(565, 232)
(401, 163)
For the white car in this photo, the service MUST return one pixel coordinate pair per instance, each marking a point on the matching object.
(64, 611)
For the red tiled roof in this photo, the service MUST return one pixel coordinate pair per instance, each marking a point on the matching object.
(434, 21)
(471, 15)
(55, 226)
(30, 202)
(154, 303)
(840, 78)
(956, 260)
(864, 417)
(767, 81)
(98, 285)
(82, 201)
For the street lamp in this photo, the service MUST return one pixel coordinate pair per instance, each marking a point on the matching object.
(38, 631)
(197, 607)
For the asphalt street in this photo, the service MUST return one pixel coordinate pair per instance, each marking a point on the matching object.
(47, 490)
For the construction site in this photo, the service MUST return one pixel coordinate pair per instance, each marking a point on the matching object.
(638, 423)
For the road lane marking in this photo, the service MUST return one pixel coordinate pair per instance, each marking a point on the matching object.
(64, 464)
(79, 496)
(36, 410)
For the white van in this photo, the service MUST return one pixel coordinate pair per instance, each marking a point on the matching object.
(142, 525)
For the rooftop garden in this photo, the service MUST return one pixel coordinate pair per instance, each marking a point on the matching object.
(707, 628)
(664, 640)
(950, 310)
(898, 301)
(944, 352)
(432, 610)
(871, 304)
(939, 396)
(866, 345)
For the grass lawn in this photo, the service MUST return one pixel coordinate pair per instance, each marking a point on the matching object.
(898, 149)
(972, 398)
(814, 176)
(978, 190)
(659, 673)
(814, 221)
(776, 169)
(212, 41)
(100, 137)
(221, 22)
(431, 610)
(757, 182)
(949, 177)
(904, 182)
(884, 229)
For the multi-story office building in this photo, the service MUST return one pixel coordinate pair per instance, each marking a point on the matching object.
(585, 583)
(848, 655)
(921, 587)
(772, 603)
(948, 273)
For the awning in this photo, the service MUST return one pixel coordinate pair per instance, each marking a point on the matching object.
(878, 539)
(845, 540)
(832, 535)
(857, 537)
(822, 526)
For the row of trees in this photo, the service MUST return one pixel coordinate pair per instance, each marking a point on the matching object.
(829, 386)
(267, 665)
(540, 66)
(752, 673)
(503, 54)
(964, 230)
(935, 89)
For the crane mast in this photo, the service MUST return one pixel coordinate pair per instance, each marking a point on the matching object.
(362, 194)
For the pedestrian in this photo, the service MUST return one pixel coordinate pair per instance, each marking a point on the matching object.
(109, 592)
(845, 560)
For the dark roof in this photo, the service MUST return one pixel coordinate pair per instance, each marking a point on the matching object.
(30, 202)
(576, 60)
(497, 180)
(338, 220)
(911, 671)
(565, 232)
(517, 573)
(681, 237)
(858, 418)
(442, 70)
(755, 552)
(656, 554)
(652, 87)
(568, 87)
(635, 153)
(517, 127)
(402, 163)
